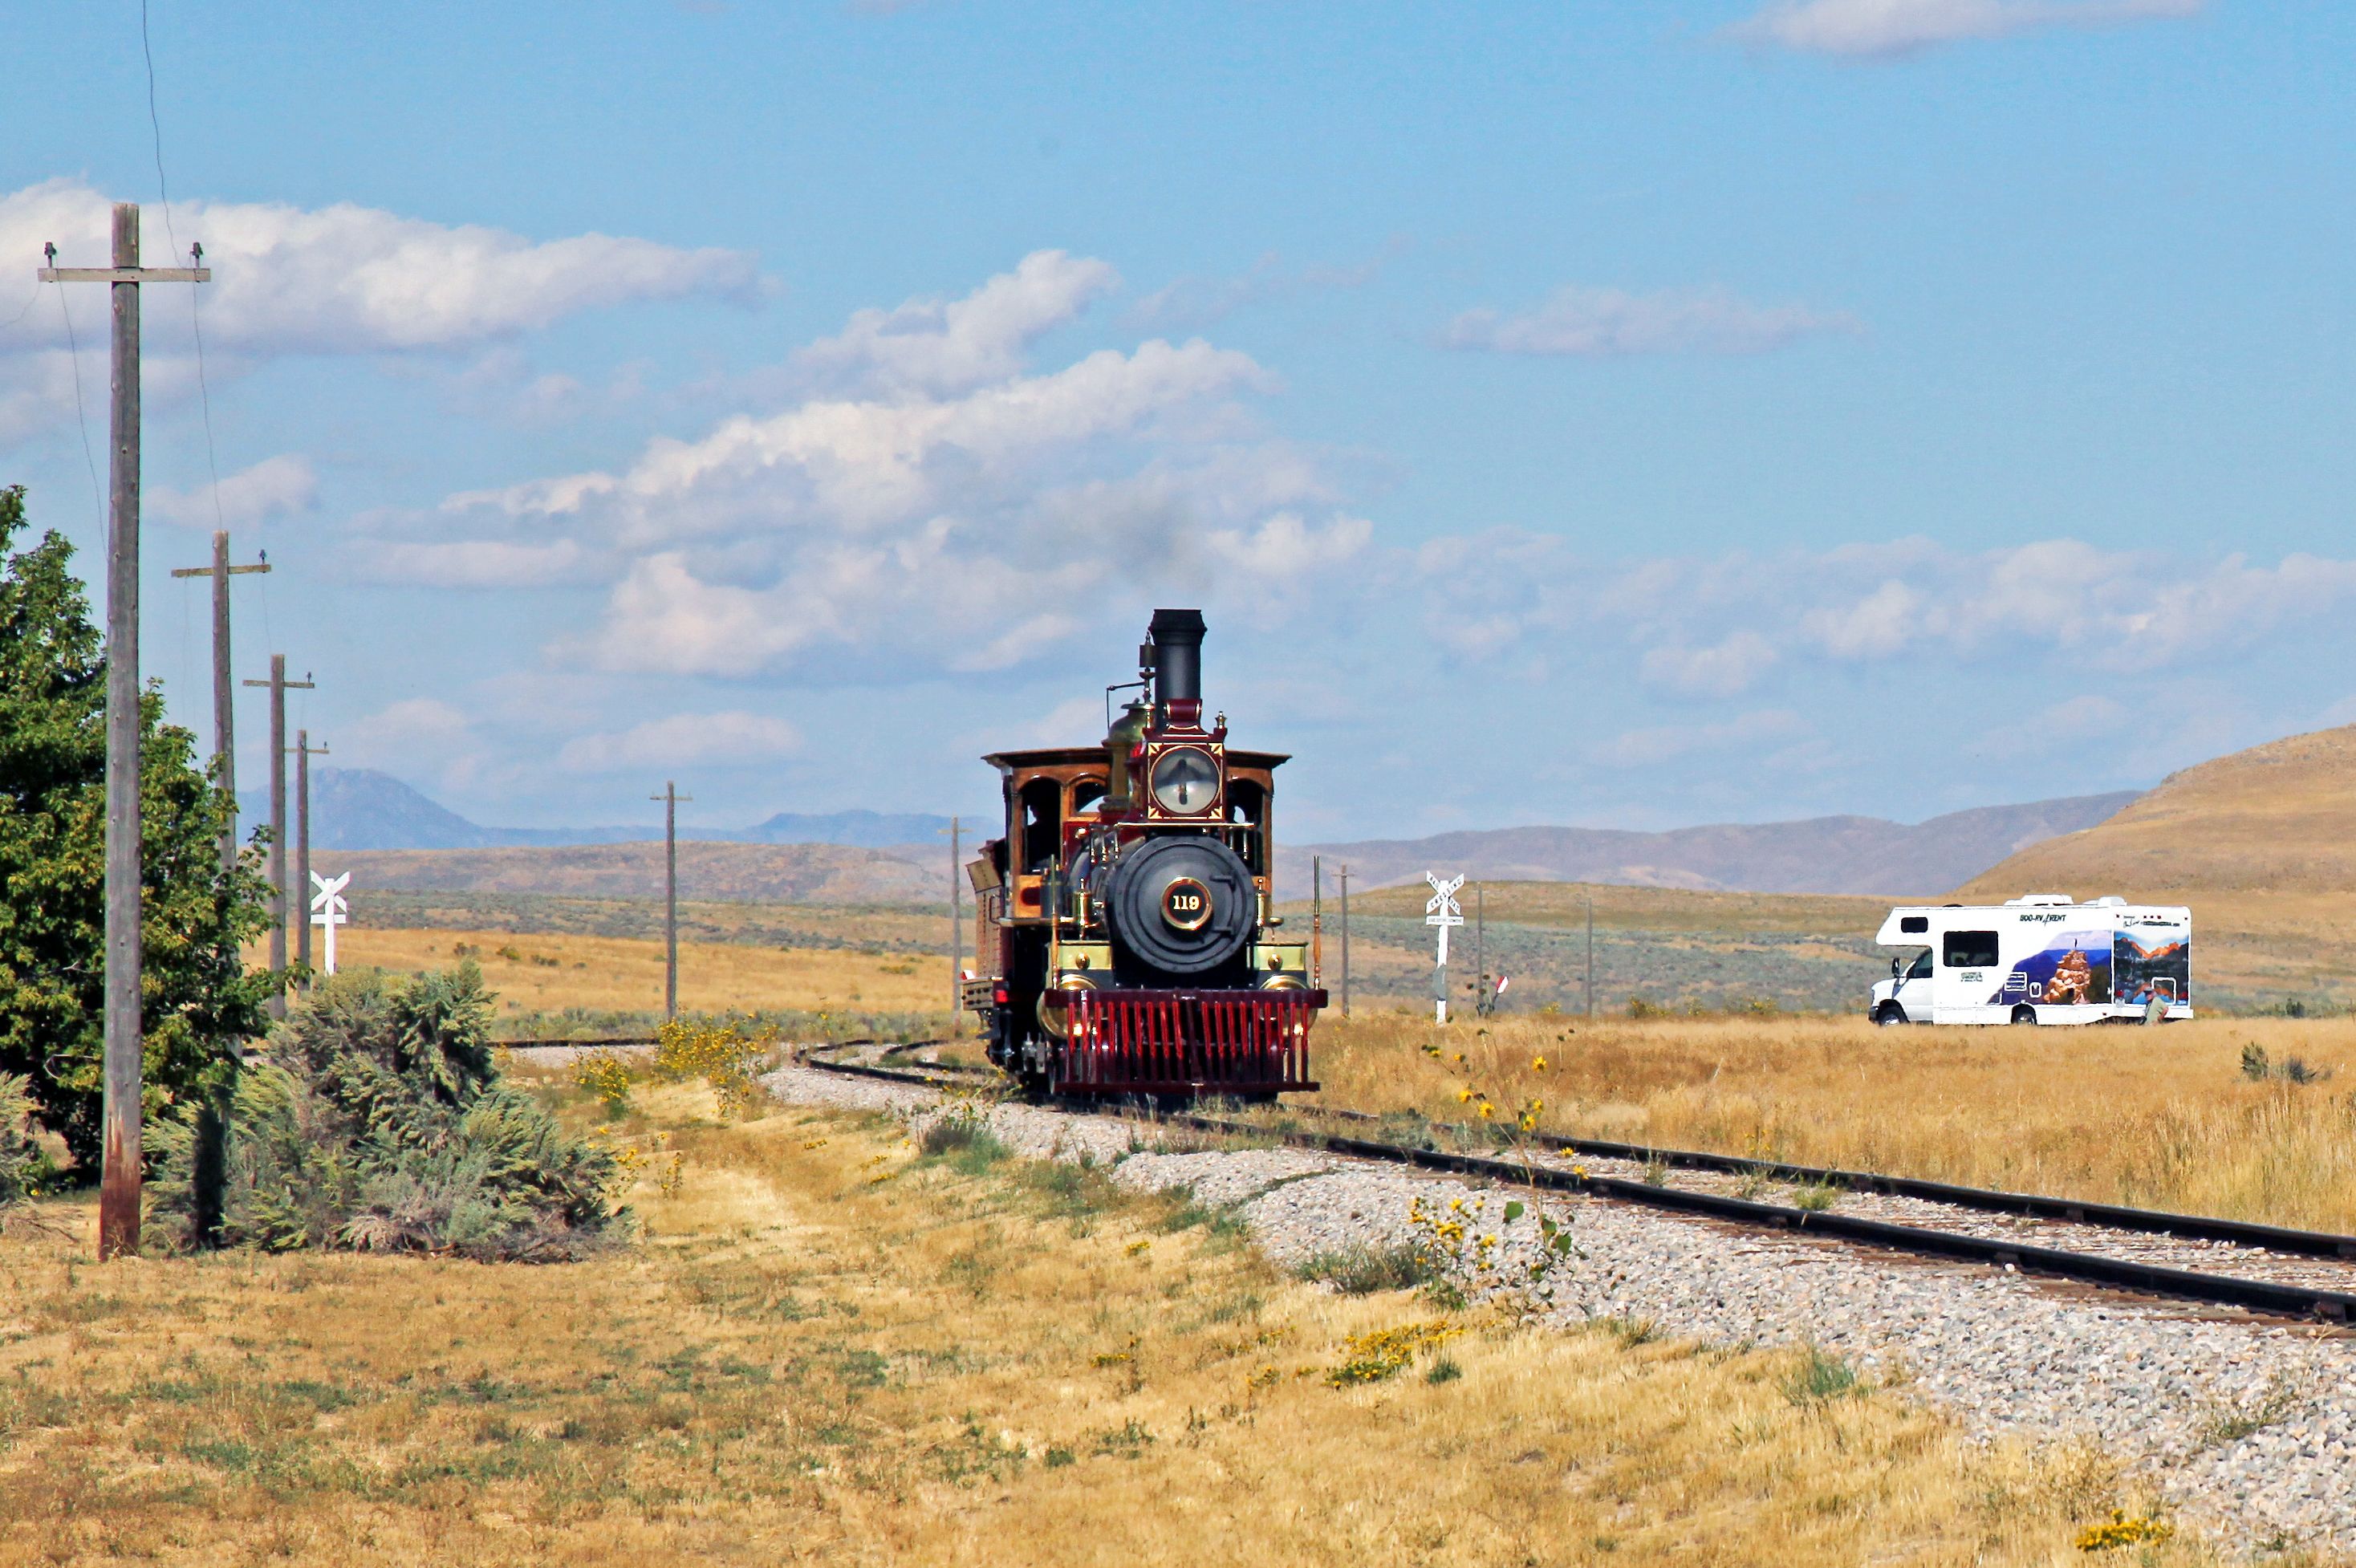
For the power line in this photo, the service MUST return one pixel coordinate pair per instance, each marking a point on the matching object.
(31, 300)
(73, 357)
(156, 125)
(197, 259)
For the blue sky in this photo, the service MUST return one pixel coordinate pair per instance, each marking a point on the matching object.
(1629, 414)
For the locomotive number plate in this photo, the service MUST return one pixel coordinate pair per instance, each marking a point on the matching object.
(1186, 904)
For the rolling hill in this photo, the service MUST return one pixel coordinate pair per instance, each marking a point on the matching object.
(1821, 855)
(2279, 818)
(2260, 844)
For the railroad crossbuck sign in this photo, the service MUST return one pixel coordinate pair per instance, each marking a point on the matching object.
(329, 910)
(1441, 910)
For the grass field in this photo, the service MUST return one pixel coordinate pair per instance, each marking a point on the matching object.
(897, 928)
(545, 976)
(2164, 1118)
(830, 1349)
(1801, 952)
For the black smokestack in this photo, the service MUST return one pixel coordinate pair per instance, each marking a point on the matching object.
(1178, 664)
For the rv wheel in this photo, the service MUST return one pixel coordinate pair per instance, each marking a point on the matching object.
(2024, 1014)
(1888, 1013)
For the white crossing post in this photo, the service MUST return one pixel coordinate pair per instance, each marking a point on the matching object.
(329, 910)
(1441, 910)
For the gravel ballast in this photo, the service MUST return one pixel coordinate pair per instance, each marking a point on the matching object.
(2247, 1426)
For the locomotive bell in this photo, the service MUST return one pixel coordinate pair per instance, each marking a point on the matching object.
(1120, 794)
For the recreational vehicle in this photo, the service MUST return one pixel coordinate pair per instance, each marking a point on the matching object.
(2037, 959)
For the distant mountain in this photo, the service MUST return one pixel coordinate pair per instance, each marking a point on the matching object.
(868, 829)
(1821, 855)
(362, 808)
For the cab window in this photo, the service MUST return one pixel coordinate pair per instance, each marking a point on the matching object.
(1920, 967)
(1040, 802)
(1969, 949)
(1248, 804)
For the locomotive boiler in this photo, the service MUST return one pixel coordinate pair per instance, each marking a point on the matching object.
(1127, 939)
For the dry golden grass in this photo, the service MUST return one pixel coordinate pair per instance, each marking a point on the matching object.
(1565, 904)
(832, 1352)
(547, 974)
(2162, 1118)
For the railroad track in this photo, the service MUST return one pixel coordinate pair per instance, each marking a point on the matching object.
(2284, 1297)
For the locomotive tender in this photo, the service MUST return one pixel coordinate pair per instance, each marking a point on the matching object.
(1126, 933)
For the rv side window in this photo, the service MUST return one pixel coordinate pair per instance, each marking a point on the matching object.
(1970, 949)
(1913, 925)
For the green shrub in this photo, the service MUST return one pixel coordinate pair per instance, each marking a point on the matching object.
(1361, 1270)
(379, 1123)
(26, 1169)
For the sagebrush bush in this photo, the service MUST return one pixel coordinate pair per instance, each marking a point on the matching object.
(25, 1168)
(379, 1123)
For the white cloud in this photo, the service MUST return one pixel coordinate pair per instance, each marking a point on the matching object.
(347, 279)
(1196, 301)
(473, 563)
(1886, 29)
(1874, 626)
(398, 734)
(940, 505)
(1604, 322)
(1651, 747)
(1718, 670)
(282, 486)
(683, 740)
(951, 345)
(1075, 720)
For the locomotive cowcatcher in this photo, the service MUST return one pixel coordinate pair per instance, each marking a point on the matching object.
(1126, 937)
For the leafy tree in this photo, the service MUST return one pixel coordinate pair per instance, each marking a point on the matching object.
(196, 1001)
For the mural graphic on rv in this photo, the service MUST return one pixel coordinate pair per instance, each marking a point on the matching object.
(2163, 970)
(2074, 968)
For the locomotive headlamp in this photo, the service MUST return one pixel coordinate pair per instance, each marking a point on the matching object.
(1186, 781)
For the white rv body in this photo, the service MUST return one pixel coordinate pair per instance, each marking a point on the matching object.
(2036, 959)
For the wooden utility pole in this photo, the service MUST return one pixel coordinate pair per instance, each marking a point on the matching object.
(956, 925)
(304, 752)
(280, 898)
(1590, 955)
(1345, 941)
(224, 688)
(118, 1193)
(670, 798)
(1316, 921)
(1480, 949)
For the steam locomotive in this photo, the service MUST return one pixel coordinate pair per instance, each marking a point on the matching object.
(1125, 933)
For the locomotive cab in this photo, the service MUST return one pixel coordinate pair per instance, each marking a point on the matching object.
(1126, 936)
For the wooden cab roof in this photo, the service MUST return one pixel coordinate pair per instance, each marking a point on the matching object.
(1055, 758)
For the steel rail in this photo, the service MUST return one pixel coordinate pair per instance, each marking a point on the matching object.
(2121, 1273)
(2109, 1216)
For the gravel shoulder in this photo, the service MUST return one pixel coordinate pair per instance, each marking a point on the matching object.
(2246, 1426)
